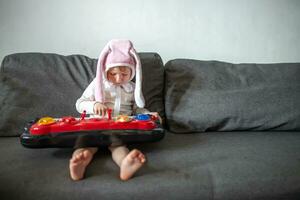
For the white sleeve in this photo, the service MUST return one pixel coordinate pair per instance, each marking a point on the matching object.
(87, 101)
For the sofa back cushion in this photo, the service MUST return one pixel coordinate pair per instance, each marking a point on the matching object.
(38, 84)
(217, 96)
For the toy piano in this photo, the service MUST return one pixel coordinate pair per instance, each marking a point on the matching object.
(68, 131)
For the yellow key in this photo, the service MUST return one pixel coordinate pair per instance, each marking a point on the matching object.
(123, 118)
(46, 121)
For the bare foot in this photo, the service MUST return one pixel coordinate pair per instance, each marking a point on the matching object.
(79, 162)
(131, 163)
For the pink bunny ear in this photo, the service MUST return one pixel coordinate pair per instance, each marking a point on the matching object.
(138, 95)
(99, 88)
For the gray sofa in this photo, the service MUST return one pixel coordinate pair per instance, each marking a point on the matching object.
(232, 130)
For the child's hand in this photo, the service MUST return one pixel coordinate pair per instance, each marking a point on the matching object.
(156, 115)
(100, 109)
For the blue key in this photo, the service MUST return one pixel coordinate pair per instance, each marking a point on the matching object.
(142, 117)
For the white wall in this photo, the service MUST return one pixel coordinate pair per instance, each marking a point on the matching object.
(227, 30)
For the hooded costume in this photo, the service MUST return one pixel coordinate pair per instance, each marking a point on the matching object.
(119, 53)
(119, 97)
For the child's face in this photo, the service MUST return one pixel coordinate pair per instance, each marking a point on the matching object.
(119, 75)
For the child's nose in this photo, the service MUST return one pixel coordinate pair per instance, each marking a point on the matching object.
(118, 79)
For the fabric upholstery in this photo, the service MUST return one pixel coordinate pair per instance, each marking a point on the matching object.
(38, 84)
(207, 166)
(217, 96)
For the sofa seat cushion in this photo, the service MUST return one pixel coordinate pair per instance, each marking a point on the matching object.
(217, 96)
(216, 165)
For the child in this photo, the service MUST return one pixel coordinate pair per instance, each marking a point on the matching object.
(112, 88)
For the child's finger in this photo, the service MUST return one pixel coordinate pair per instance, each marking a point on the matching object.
(103, 112)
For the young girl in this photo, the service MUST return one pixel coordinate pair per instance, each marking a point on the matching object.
(112, 88)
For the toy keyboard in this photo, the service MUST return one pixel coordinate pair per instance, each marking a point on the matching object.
(68, 131)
